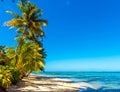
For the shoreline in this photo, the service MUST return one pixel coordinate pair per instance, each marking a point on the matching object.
(35, 83)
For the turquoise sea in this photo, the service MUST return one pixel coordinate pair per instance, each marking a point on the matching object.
(109, 81)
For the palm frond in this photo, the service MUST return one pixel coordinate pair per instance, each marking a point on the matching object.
(15, 23)
(13, 13)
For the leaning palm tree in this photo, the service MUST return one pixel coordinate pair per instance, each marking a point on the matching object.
(29, 54)
(29, 24)
(33, 60)
(26, 58)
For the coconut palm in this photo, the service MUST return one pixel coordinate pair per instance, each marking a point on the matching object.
(29, 54)
(33, 60)
(29, 24)
(27, 57)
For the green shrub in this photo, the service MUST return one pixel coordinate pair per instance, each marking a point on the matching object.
(8, 76)
(5, 77)
(15, 73)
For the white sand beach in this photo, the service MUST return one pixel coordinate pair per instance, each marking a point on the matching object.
(39, 84)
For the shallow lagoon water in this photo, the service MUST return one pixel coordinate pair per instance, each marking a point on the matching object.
(100, 80)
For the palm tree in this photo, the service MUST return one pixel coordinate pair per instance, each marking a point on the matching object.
(29, 24)
(33, 60)
(26, 58)
(29, 54)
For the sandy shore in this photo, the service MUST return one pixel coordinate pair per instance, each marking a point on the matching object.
(39, 84)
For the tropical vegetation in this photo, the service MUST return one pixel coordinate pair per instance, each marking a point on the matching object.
(18, 62)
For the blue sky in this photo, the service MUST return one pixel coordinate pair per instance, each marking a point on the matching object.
(82, 35)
